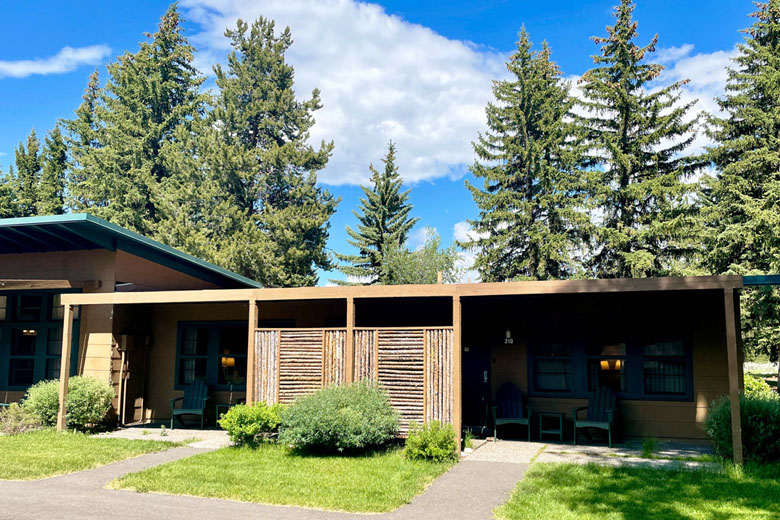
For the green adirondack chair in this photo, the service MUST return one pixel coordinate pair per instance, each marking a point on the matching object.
(510, 409)
(193, 402)
(601, 408)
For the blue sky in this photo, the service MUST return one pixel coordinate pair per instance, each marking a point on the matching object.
(417, 72)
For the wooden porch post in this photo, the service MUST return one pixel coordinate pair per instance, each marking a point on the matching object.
(734, 370)
(456, 376)
(349, 358)
(67, 342)
(251, 372)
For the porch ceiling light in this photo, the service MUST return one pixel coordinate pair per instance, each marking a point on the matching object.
(29, 332)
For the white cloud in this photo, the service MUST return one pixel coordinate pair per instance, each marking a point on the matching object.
(462, 231)
(66, 60)
(381, 78)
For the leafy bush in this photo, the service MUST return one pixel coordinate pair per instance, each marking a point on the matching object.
(16, 419)
(88, 401)
(247, 425)
(760, 428)
(758, 387)
(340, 418)
(432, 441)
(43, 400)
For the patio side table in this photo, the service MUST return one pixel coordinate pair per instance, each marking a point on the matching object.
(548, 429)
(222, 406)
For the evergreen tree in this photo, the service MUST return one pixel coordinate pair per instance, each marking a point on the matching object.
(28, 173)
(148, 95)
(383, 224)
(82, 140)
(638, 138)
(261, 157)
(741, 207)
(51, 187)
(8, 206)
(529, 225)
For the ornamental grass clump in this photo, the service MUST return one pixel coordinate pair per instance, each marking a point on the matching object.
(250, 425)
(344, 418)
(760, 428)
(87, 404)
(17, 419)
(432, 441)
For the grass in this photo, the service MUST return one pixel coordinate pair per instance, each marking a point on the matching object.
(270, 474)
(570, 491)
(47, 453)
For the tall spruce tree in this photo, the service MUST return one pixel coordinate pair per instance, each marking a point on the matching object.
(82, 141)
(383, 225)
(741, 205)
(28, 174)
(529, 224)
(147, 96)
(638, 137)
(260, 155)
(51, 186)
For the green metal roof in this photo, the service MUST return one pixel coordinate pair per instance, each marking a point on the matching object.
(81, 231)
(767, 279)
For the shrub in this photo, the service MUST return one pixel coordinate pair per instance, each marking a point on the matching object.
(432, 441)
(760, 428)
(88, 401)
(758, 387)
(248, 425)
(339, 418)
(16, 419)
(43, 400)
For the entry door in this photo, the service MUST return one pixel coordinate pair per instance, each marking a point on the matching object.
(135, 379)
(476, 386)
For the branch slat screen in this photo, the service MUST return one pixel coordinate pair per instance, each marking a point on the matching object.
(414, 366)
(300, 363)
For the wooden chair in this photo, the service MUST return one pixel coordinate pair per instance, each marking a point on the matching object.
(601, 413)
(510, 409)
(193, 402)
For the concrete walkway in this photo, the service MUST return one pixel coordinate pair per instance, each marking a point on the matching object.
(471, 490)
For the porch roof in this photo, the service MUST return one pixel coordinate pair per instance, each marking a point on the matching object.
(616, 285)
(81, 231)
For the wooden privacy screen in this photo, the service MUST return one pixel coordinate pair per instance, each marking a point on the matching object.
(414, 366)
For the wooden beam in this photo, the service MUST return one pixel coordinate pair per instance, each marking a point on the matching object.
(412, 291)
(733, 362)
(67, 344)
(456, 364)
(349, 355)
(22, 285)
(251, 370)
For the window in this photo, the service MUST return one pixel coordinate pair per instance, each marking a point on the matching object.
(31, 338)
(193, 355)
(664, 368)
(632, 369)
(607, 366)
(212, 352)
(552, 368)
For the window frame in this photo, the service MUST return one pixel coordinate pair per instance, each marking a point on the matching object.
(212, 356)
(634, 369)
(43, 325)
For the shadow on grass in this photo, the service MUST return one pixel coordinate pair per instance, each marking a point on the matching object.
(564, 491)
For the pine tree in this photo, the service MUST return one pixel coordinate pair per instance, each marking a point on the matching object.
(260, 155)
(383, 225)
(529, 225)
(8, 207)
(741, 207)
(148, 95)
(638, 138)
(51, 187)
(28, 173)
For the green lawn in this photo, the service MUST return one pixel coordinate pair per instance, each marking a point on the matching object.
(569, 491)
(271, 474)
(47, 453)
